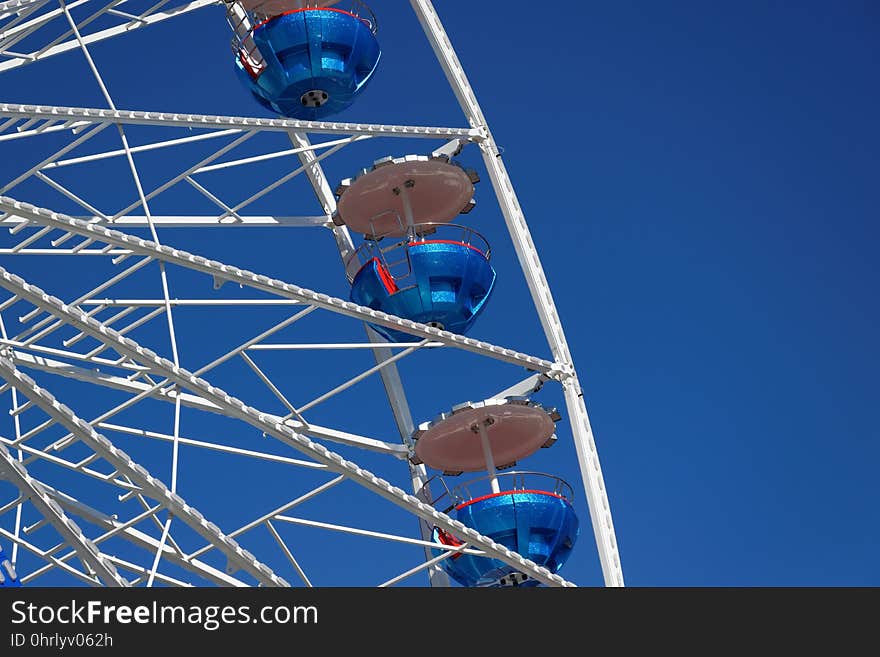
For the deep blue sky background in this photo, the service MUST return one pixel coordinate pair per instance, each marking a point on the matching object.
(701, 180)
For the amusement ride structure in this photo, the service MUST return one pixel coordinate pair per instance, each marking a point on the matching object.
(93, 486)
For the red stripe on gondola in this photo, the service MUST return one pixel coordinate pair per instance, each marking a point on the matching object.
(446, 538)
(384, 275)
(509, 492)
(387, 280)
(294, 11)
(470, 246)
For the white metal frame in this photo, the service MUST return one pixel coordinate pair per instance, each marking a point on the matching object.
(591, 471)
(144, 375)
(231, 407)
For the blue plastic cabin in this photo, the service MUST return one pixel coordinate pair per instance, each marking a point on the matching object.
(309, 63)
(8, 577)
(448, 285)
(539, 525)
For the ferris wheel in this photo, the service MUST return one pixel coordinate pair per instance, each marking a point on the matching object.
(177, 419)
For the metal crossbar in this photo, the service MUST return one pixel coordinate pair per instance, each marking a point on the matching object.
(233, 407)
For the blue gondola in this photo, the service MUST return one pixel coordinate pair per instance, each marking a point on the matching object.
(8, 577)
(539, 525)
(308, 63)
(447, 284)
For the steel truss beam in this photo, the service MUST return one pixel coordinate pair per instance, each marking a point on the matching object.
(23, 26)
(12, 6)
(223, 273)
(142, 540)
(194, 401)
(202, 221)
(233, 407)
(15, 473)
(116, 30)
(48, 555)
(89, 116)
(100, 445)
(41, 120)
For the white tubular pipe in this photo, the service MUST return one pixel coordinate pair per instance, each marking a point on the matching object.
(490, 460)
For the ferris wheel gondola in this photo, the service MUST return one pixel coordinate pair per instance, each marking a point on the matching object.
(417, 274)
(305, 60)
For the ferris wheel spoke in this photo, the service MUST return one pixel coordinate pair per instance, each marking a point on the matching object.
(141, 148)
(151, 576)
(235, 408)
(166, 535)
(129, 25)
(22, 9)
(84, 116)
(446, 551)
(539, 288)
(54, 119)
(123, 465)
(46, 555)
(240, 442)
(16, 473)
(45, 127)
(79, 26)
(394, 538)
(159, 391)
(127, 531)
(13, 32)
(320, 185)
(181, 176)
(86, 136)
(273, 388)
(240, 349)
(427, 565)
(108, 321)
(33, 333)
(227, 211)
(80, 467)
(213, 446)
(318, 490)
(129, 328)
(73, 197)
(360, 377)
(284, 547)
(31, 360)
(113, 530)
(282, 153)
(145, 574)
(282, 180)
(224, 272)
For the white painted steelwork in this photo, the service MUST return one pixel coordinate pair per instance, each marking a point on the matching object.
(85, 340)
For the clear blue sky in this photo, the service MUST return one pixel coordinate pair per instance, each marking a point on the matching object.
(701, 180)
